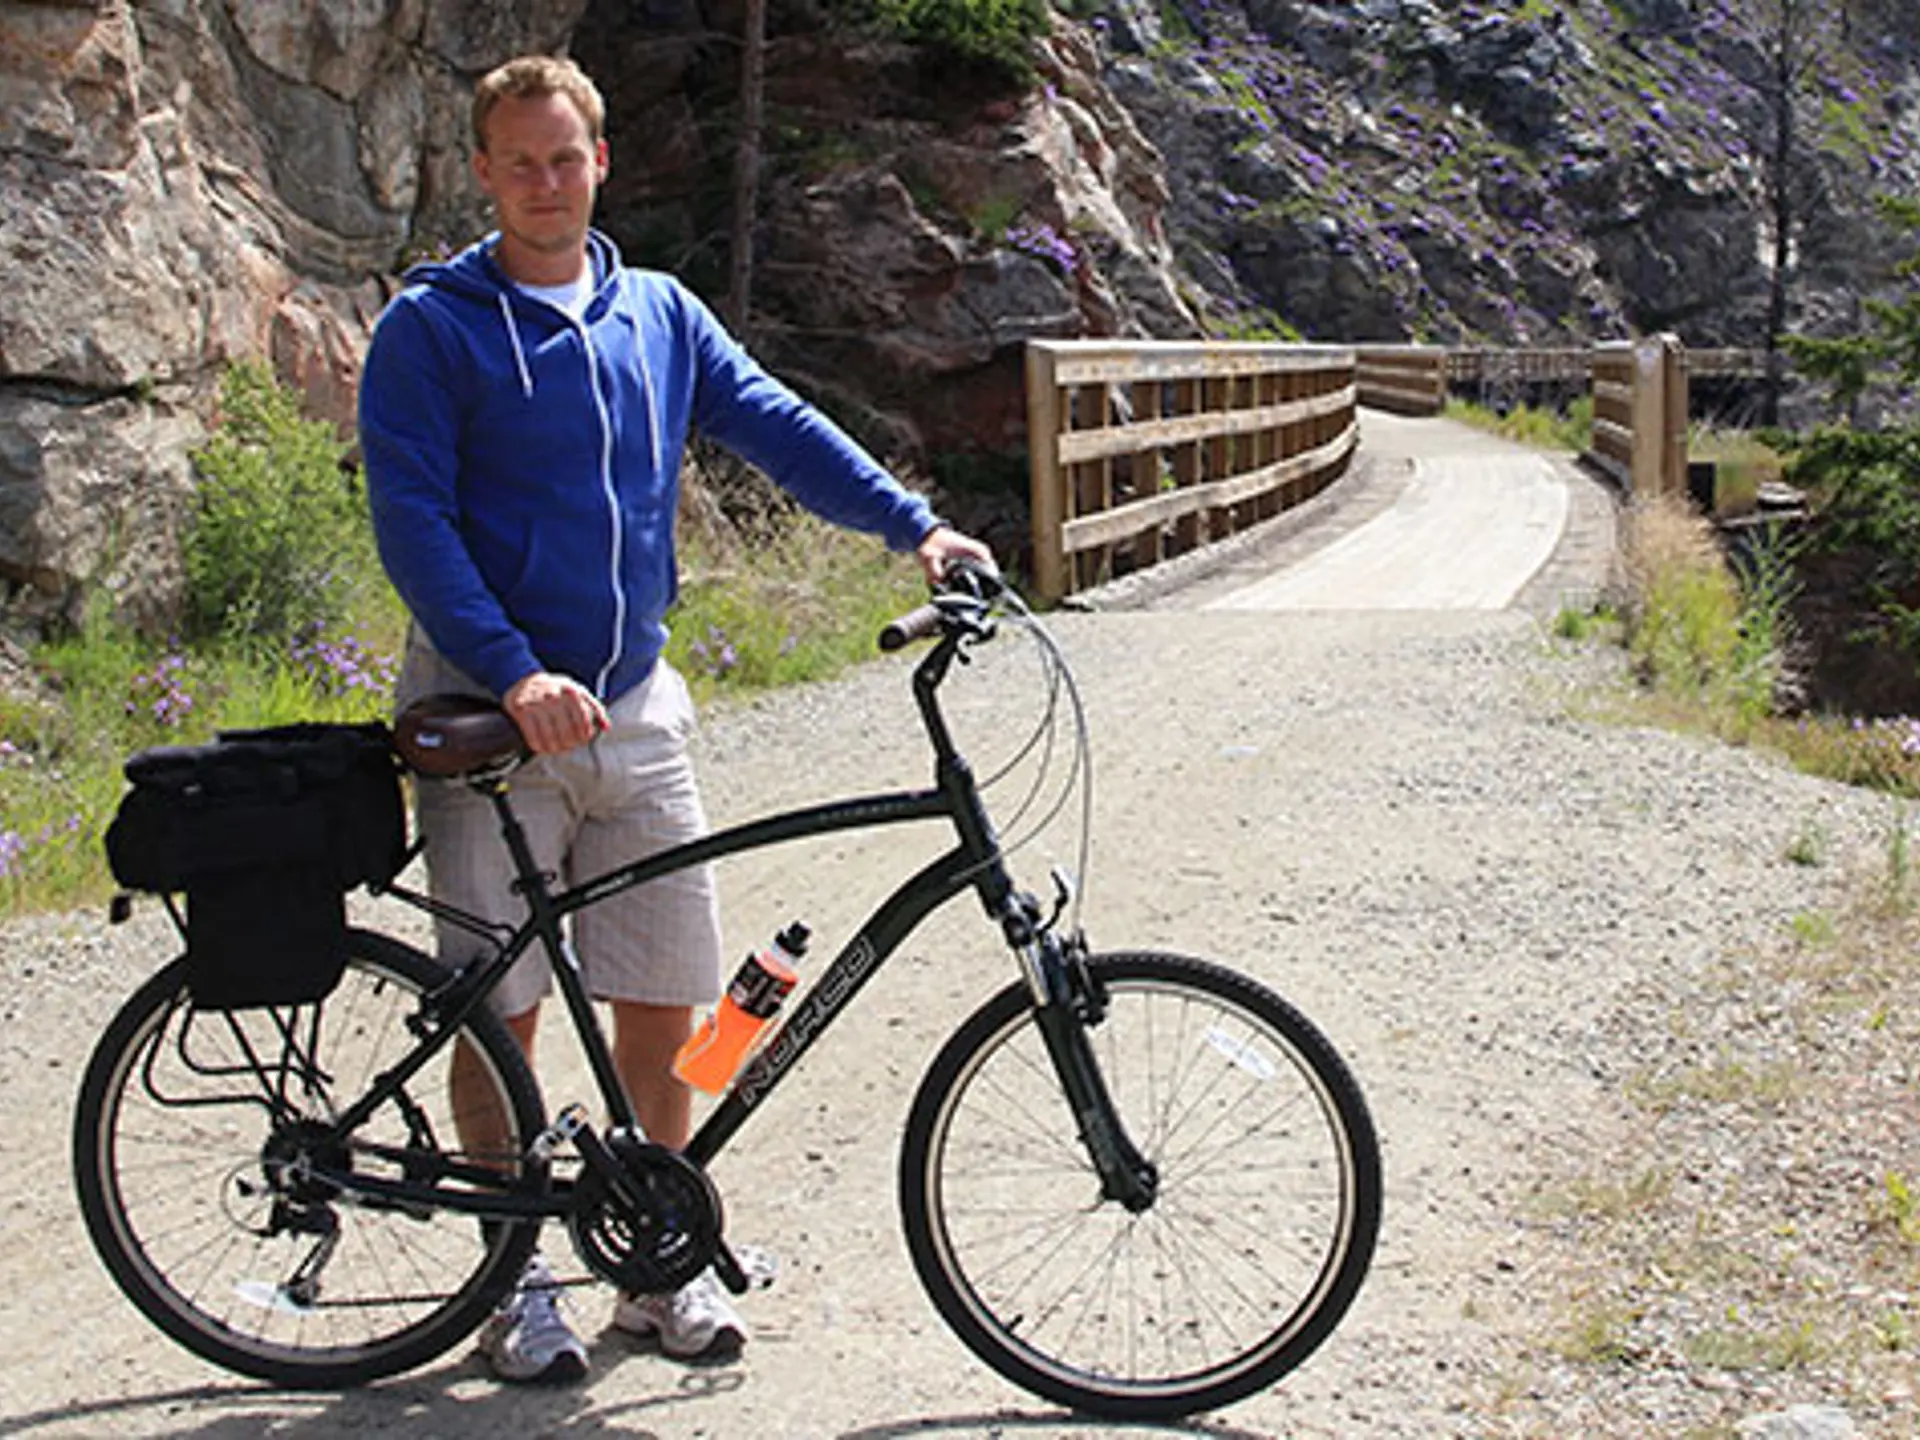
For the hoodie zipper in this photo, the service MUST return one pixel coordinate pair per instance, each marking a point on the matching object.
(616, 648)
(617, 552)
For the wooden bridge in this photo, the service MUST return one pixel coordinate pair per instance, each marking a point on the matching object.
(1140, 451)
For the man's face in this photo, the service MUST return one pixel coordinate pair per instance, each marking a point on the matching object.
(542, 169)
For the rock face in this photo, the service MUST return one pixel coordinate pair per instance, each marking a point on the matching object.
(187, 182)
(1498, 174)
(917, 224)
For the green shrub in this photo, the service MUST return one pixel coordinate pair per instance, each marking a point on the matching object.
(995, 33)
(1866, 482)
(280, 547)
(771, 596)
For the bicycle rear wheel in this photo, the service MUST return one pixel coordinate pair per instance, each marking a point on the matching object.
(195, 1147)
(1261, 1231)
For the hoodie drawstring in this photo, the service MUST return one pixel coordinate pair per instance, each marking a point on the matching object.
(519, 355)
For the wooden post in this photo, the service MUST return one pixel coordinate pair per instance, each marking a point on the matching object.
(1146, 472)
(1186, 466)
(1673, 452)
(1659, 416)
(1045, 484)
(1649, 419)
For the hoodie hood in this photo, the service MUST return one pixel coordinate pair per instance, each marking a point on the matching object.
(476, 275)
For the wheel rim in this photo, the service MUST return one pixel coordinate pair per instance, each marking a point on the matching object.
(183, 1151)
(1256, 1214)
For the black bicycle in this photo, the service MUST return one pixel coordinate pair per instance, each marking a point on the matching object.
(1137, 1184)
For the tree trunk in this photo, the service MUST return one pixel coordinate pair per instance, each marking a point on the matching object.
(1788, 62)
(746, 165)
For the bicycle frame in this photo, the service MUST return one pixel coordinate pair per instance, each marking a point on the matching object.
(974, 861)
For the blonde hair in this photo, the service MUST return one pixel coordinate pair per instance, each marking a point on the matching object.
(533, 77)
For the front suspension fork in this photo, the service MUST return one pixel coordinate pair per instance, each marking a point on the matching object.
(1070, 1003)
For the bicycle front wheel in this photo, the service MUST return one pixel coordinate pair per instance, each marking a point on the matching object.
(201, 1155)
(1261, 1230)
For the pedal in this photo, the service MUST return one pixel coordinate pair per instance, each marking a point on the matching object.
(751, 1267)
(567, 1124)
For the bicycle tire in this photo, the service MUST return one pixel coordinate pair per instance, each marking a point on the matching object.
(170, 1147)
(1259, 1237)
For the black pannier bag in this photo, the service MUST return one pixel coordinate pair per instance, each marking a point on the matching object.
(265, 831)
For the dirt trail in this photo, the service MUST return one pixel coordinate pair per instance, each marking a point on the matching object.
(1389, 817)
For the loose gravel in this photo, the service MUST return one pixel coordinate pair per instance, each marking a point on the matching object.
(1503, 907)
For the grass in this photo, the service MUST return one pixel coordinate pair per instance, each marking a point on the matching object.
(1715, 650)
(1701, 634)
(795, 600)
(1598, 1335)
(1544, 429)
(110, 693)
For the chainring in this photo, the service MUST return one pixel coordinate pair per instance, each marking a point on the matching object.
(658, 1231)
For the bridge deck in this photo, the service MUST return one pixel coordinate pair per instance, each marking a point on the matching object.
(1466, 534)
(1433, 515)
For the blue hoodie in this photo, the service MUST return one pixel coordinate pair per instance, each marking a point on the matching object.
(523, 467)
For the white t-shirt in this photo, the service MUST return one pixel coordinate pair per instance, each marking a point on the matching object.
(572, 297)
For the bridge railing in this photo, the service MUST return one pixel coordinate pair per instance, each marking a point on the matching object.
(1406, 379)
(1640, 392)
(1141, 450)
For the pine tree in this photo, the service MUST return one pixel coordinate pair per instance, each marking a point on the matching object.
(1869, 475)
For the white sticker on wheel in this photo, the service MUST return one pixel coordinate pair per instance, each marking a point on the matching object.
(1241, 1053)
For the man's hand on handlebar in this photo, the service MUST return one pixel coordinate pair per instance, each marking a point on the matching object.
(944, 545)
(964, 594)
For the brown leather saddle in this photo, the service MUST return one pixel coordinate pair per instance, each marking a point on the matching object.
(454, 735)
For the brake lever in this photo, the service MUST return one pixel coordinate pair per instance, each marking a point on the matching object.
(966, 613)
(984, 583)
(1063, 893)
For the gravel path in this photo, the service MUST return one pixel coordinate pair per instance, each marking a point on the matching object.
(1400, 821)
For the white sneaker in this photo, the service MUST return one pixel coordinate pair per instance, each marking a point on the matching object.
(696, 1322)
(527, 1341)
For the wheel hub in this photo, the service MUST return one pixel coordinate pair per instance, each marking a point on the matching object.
(297, 1155)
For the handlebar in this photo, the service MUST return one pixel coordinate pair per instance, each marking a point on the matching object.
(916, 624)
(964, 595)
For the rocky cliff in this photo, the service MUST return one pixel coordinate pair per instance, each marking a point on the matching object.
(1534, 174)
(184, 182)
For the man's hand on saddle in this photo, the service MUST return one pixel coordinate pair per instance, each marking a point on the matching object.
(555, 713)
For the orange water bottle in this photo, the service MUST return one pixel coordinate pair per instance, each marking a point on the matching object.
(714, 1052)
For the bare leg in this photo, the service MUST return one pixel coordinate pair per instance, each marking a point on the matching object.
(477, 1106)
(645, 1038)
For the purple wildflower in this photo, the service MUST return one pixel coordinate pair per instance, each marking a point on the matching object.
(1043, 242)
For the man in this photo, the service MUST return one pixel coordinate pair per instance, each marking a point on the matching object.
(523, 412)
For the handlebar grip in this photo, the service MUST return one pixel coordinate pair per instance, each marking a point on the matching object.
(916, 624)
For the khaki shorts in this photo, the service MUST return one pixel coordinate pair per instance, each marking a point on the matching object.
(628, 794)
